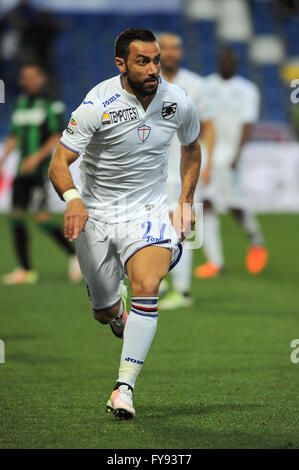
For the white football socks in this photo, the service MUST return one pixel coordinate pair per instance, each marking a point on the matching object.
(252, 228)
(212, 238)
(138, 335)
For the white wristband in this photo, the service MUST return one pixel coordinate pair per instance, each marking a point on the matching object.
(70, 195)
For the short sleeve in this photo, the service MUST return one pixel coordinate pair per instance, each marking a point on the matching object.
(251, 106)
(83, 124)
(190, 127)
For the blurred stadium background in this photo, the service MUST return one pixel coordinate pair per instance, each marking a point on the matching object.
(236, 386)
(74, 41)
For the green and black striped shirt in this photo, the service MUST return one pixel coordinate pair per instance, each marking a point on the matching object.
(34, 119)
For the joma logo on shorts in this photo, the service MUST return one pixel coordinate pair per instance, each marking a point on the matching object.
(131, 359)
(150, 238)
(110, 100)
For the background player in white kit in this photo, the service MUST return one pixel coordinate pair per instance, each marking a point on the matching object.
(171, 56)
(236, 107)
(120, 218)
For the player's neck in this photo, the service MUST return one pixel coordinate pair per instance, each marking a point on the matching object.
(145, 100)
(226, 76)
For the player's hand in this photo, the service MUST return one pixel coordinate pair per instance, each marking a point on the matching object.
(183, 220)
(29, 164)
(75, 218)
(206, 175)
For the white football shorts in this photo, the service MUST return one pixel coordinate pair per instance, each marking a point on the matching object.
(103, 250)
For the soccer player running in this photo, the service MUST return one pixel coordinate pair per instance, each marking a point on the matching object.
(236, 108)
(171, 56)
(36, 126)
(119, 216)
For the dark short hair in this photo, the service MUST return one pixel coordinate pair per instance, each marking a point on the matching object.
(124, 39)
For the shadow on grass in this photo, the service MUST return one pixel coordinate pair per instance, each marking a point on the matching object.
(154, 414)
(34, 359)
(173, 427)
(191, 410)
(19, 337)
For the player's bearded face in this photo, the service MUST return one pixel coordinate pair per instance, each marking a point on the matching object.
(143, 67)
(146, 86)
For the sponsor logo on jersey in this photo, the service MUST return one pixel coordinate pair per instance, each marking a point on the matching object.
(87, 102)
(106, 118)
(69, 130)
(110, 100)
(168, 109)
(143, 132)
(119, 116)
(124, 115)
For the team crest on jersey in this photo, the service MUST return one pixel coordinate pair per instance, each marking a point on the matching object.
(143, 132)
(168, 109)
(106, 118)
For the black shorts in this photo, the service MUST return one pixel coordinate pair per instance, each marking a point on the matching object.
(29, 190)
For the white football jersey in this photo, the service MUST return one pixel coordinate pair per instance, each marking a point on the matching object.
(125, 149)
(236, 102)
(197, 89)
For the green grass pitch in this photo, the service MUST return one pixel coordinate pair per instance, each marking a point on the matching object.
(218, 375)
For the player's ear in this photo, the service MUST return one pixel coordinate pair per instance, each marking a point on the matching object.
(121, 64)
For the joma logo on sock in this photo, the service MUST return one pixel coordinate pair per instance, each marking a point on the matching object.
(131, 359)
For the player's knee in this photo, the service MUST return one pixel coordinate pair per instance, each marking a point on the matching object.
(105, 315)
(147, 287)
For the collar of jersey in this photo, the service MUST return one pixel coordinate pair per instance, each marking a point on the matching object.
(134, 98)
